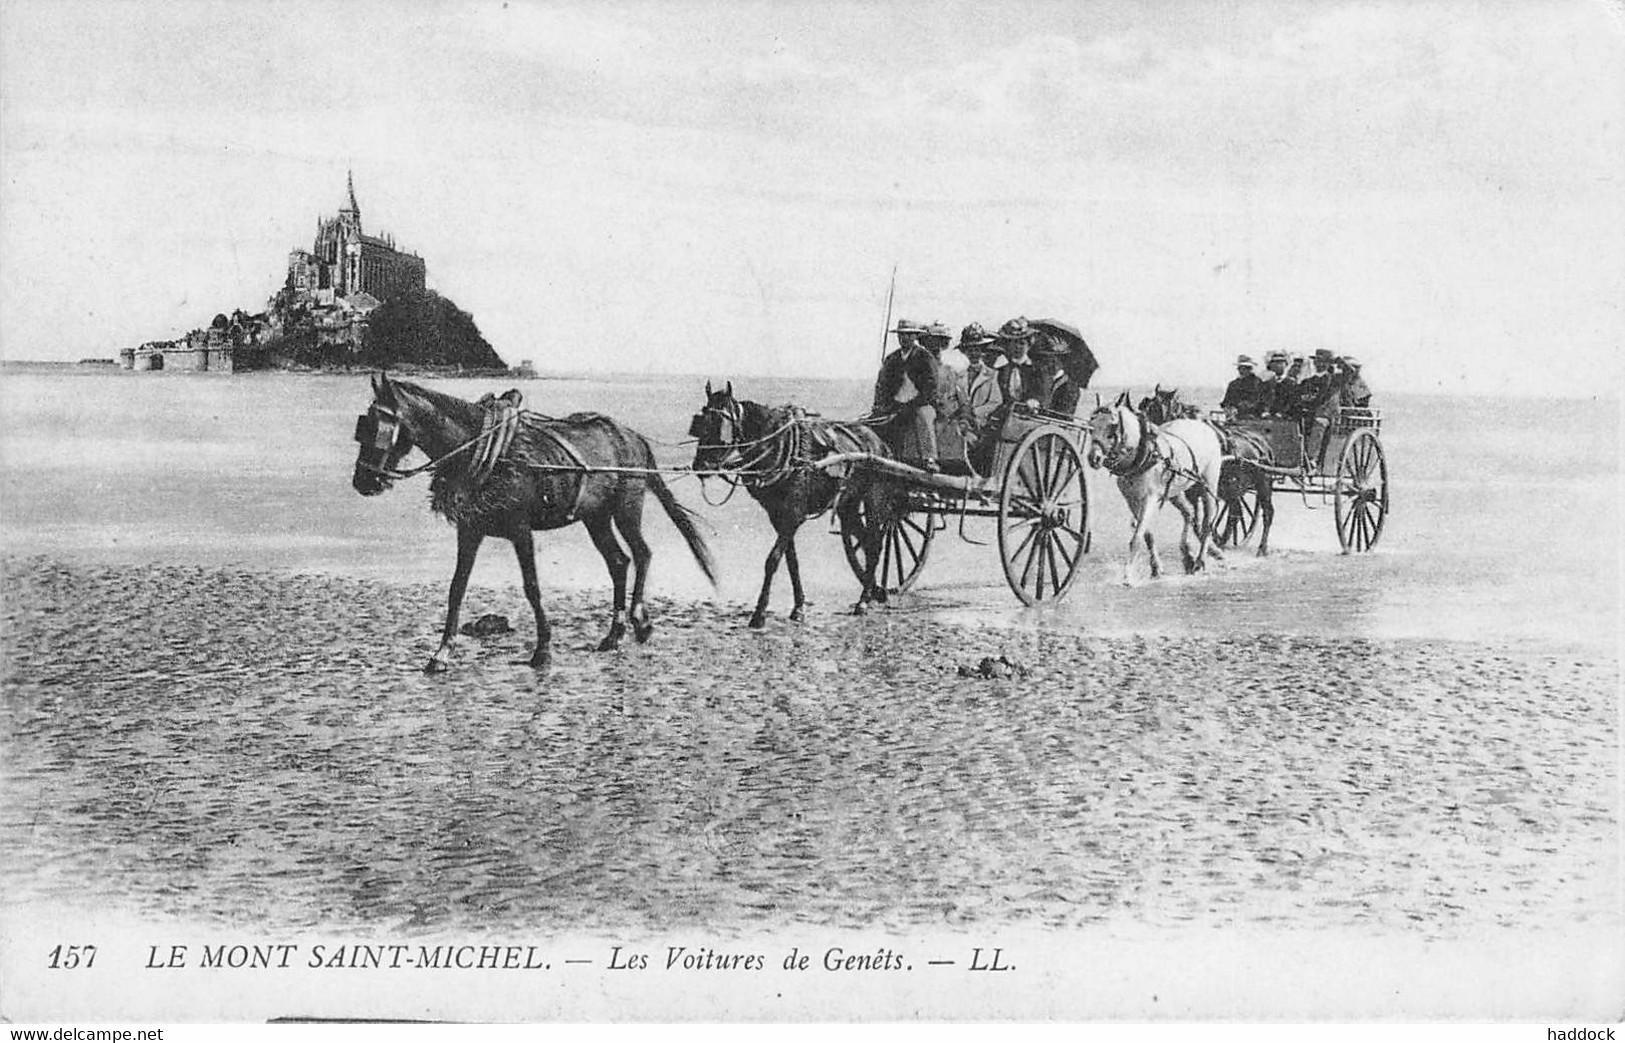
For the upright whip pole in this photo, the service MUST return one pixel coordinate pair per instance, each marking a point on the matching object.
(889, 295)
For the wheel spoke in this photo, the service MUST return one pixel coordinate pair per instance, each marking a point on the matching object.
(1028, 506)
(1072, 558)
(1031, 557)
(907, 541)
(1049, 558)
(1015, 555)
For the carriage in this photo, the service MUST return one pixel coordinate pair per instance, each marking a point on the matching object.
(1031, 481)
(1356, 482)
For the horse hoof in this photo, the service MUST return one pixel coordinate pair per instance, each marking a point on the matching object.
(642, 633)
(860, 609)
(541, 661)
(758, 621)
(435, 666)
(798, 616)
(612, 640)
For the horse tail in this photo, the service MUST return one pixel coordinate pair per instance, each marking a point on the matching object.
(684, 519)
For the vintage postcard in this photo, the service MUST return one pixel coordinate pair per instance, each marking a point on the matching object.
(1020, 511)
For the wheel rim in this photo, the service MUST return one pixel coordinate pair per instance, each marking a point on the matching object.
(904, 547)
(1362, 493)
(1246, 523)
(1043, 517)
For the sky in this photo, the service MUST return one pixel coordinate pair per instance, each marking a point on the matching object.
(725, 188)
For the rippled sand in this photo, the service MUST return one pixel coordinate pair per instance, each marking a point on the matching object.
(238, 747)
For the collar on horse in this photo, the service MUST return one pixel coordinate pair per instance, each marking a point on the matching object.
(1145, 455)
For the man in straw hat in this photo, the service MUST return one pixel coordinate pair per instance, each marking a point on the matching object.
(1280, 387)
(906, 395)
(1245, 395)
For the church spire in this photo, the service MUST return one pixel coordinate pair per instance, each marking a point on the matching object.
(349, 189)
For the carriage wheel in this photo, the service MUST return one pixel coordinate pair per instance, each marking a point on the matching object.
(1043, 517)
(1361, 492)
(1236, 531)
(904, 546)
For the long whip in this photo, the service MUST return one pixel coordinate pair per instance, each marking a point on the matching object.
(891, 293)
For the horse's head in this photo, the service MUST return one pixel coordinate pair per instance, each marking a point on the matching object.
(382, 438)
(1162, 405)
(1114, 433)
(716, 428)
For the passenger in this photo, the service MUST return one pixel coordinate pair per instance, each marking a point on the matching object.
(905, 398)
(1279, 389)
(1290, 390)
(982, 394)
(1328, 399)
(950, 396)
(1313, 386)
(1049, 353)
(1354, 391)
(1244, 396)
(1022, 379)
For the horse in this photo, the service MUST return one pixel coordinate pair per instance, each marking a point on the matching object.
(770, 451)
(501, 472)
(1246, 454)
(1156, 464)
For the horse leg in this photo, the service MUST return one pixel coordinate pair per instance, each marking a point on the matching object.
(1210, 501)
(1187, 515)
(880, 507)
(603, 537)
(629, 523)
(1266, 508)
(468, 547)
(758, 618)
(1138, 530)
(798, 613)
(524, 547)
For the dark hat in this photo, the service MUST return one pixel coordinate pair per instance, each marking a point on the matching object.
(1324, 353)
(974, 336)
(1017, 328)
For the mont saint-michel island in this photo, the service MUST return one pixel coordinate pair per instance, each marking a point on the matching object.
(352, 300)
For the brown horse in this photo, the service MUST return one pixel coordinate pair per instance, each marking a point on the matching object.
(505, 473)
(770, 451)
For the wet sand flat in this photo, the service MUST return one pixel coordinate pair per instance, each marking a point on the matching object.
(241, 747)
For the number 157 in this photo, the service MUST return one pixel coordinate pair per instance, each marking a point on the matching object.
(67, 957)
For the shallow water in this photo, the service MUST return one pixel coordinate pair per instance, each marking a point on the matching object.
(1504, 527)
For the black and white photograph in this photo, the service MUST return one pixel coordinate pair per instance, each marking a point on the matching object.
(792, 512)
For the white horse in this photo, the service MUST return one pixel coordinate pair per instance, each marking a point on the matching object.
(1157, 465)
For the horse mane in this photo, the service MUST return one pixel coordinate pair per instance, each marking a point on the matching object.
(460, 410)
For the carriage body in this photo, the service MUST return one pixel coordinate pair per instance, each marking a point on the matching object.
(1351, 471)
(1033, 486)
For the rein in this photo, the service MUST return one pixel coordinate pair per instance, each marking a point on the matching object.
(773, 458)
(412, 472)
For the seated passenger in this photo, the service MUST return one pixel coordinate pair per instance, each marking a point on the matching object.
(1354, 391)
(1280, 388)
(1245, 395)
(1022, 379)
(982, 394)
(905, 398)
